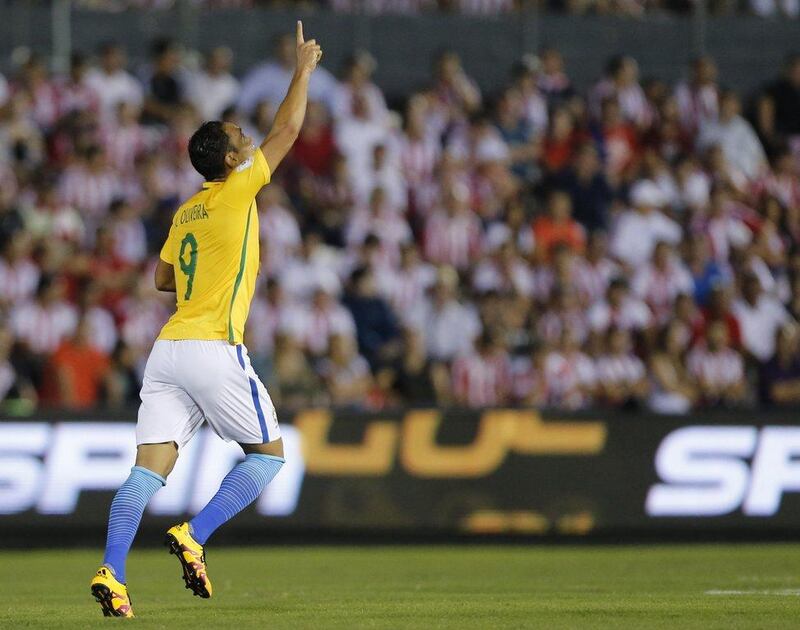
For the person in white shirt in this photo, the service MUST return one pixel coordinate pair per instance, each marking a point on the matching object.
(112, 83)
(736, 137)
(448, 326)
(268, 82)
(357, 134)
(760, 316)
(636, 232)
(357, 79)
(315, 268)
(214, 89)
(661, 281)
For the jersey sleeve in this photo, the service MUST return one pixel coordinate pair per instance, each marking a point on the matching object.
(242, 185)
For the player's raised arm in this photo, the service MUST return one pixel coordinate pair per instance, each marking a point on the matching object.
(290, 115)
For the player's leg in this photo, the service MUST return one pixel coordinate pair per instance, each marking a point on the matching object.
(168, 418)
(238, 408)
(153, 463)
(240, 487)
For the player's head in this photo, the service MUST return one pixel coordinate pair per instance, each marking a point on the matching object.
(217, 148)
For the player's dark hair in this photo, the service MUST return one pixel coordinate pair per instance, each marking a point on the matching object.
(207, 149)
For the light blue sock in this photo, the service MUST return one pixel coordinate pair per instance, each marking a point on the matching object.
(126, 514)
(240, 488)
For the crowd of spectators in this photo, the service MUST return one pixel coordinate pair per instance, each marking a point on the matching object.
(634, 246)
(619, 8)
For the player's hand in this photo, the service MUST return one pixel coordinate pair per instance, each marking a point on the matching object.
(308, 52)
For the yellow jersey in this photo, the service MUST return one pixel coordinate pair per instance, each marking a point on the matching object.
(213, 246)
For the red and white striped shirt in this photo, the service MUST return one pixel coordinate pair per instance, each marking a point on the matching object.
(553, 323)
(44, 328)
(568, 377)
(405, 288)
(632, 314)
(620, 368)
(418, 158)
(454, 240)
(660, 288)
(319, 325)
(591, 280)
(90, 192)
(482, 380)
(722, 368)
(124, 144)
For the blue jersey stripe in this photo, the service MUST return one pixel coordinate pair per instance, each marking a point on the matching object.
(256, 402)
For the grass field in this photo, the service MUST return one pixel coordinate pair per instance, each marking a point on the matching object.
(725, 586)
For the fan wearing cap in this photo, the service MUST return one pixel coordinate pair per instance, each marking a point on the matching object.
(638, 229)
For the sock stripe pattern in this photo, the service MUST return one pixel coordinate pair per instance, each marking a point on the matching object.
(240, 487)
(126, 514)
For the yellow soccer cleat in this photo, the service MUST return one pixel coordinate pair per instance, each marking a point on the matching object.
(111, 594)
(192, 559)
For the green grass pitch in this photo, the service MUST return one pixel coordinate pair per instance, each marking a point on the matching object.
(486, 587)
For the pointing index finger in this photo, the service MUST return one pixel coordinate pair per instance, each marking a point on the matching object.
(300, 38)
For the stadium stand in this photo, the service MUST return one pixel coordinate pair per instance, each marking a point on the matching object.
(633, 245)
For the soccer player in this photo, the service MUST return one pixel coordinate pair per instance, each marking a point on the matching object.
(198, 369)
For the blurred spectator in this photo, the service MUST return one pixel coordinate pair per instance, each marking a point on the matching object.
(77, 372)
(780, 376)
(558, 226)
(19, 275)
(589, 189)
(449, 326)
(718, 370)
(736, 137)
(376, 326)
(621, 375)
(112, 83)
(619, 310)
(416, 378)
(621, 86)
(697, 99)
(778, 112)
(41, 324)
(212, 90)
(760, 316)
(661, 281)
(674, 388)
(482, 378)
(268, 82)
(294, 383)
(357, 83)
(453, 233)
(570, 374)
(166, 92)
(16, 392)
(553, 81)
(346, 373)
(637, 231)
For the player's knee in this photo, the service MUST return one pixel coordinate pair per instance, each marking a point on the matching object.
(269, 448)
(159, 458)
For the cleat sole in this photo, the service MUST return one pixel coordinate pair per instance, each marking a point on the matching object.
(190, 580)
(103, 596)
